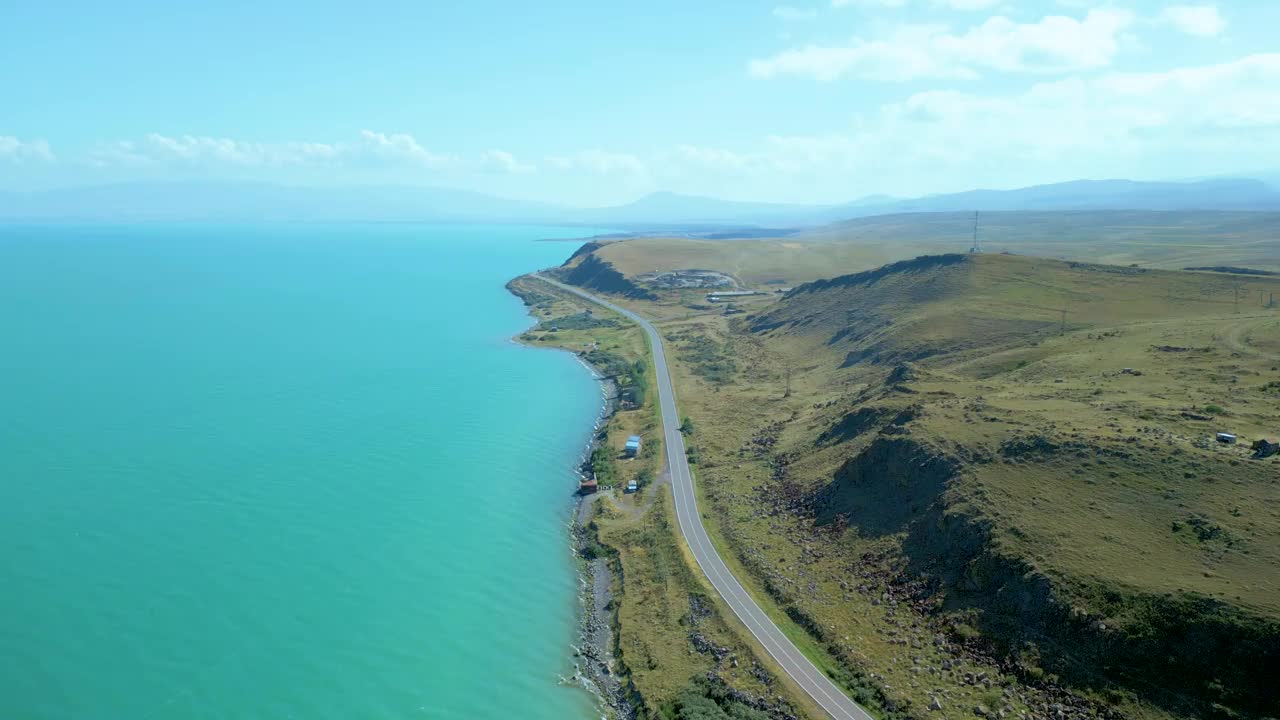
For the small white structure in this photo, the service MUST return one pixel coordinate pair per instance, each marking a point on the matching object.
(1227, 438)
(730, 294)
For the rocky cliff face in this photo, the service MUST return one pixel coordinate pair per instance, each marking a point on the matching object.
(1187, 652)
(886, 488)
(586, 270)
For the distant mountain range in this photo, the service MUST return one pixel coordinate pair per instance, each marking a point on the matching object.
(261, 201)
(1242, 194)
(1218, 194)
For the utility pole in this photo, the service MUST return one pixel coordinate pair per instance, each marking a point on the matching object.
(976, 247)
(787, 392)
(1062, 330)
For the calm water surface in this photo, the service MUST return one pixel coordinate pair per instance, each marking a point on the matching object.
(283, 472)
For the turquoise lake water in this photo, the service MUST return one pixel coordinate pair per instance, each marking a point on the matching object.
(283, 472)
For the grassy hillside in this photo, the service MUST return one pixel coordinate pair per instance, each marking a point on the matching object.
(1168, 240)
(1038, 465)
(933, 473)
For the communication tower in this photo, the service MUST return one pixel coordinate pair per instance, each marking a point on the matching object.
(976, 247)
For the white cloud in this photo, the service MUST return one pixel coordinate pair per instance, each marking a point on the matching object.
(1182, 122)
(1202, 117)
(968, 4)
(1198, 20)
(1244, 93)
(905, 56)
(1055, 44)
(19, 151)
(195, 150)
(794, 14)
(952, 4)
(369, 149)
(118, 153)
(501, 161)
(868, 3)
(396, 147)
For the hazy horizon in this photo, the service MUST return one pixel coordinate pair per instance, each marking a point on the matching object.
(1272, 179)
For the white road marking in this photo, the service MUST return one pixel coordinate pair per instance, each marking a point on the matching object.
(818, 686)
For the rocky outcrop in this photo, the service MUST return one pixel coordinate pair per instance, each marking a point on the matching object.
(590, 272)
(923, 263)
(1191, 653)
(853, 425)
(1185, 651)
(886, 487)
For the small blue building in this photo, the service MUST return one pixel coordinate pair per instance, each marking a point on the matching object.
(633, 446)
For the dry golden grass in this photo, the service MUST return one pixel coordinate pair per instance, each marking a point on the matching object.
(1166, 240)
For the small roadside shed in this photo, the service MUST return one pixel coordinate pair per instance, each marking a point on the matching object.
(633, 446)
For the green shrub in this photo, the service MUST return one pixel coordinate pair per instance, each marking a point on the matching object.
(604, 465)
(965, 632)
(581, 321)
(593, 549)
(709, 699)
(709, 359)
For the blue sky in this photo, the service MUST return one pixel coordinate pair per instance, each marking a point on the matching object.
(599, 102)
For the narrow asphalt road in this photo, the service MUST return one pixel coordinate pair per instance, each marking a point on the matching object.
(780, 648)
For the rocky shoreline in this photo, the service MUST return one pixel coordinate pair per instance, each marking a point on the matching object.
(596, 664)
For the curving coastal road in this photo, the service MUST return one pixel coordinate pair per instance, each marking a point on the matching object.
(780, 648)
